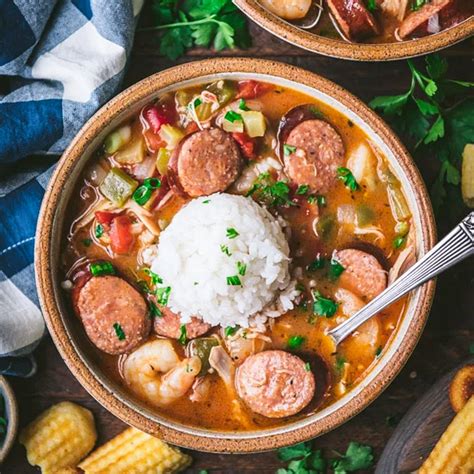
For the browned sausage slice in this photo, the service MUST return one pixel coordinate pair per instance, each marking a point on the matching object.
(114, 314)
(319, 152)
(205, 162)
(169, 325)
(363, 274)
(355, 21)
(434, 17)
(275, 383)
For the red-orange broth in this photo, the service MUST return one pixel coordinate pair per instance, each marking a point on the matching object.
(355, 357)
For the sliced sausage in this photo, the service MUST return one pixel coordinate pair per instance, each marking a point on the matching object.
(205, 162)
(169, 325)
(275, 383)
(319, 152)
(114, 314)
(434, 17)
(363, 274)
(353, 18)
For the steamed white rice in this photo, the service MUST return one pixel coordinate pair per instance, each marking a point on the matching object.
(190, 260)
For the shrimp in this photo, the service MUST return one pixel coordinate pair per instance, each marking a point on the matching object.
(155, 372)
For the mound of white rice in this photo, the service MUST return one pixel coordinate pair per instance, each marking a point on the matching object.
(192, 258)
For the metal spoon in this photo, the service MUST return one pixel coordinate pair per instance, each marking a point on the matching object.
(456, 246)
(312, 18)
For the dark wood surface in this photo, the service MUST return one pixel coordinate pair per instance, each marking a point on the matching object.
(444, 344)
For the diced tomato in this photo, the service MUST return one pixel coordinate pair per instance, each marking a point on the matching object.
(104, 217)
(246, 143)
(252, 89)
(158, 115)
(121, 237)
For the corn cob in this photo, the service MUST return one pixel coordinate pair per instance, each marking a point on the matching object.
(453, 454)
(467, 175)
(60, 437)
(135, 452)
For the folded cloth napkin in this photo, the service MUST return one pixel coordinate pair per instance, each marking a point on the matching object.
(61, 60)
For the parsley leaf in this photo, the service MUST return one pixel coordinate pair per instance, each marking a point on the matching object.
(335, 269)
(346, 176)
(294, 452)
(230, 331)
(162, 295)
(155, 311)
(316, 264)
(357, 456)
(270, 192)
(183, 337)
(371, 5)
(295, 342)
(119, 331)
(302, 189)
(324, 306)
(288, 149)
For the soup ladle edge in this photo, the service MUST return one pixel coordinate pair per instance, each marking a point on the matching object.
(456, 246)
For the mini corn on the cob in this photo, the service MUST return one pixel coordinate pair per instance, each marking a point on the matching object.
(60, 437)
(467, 175)
(453, 454)
(135, 452)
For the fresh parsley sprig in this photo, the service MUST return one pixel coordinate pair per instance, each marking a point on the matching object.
(188, 23)
(435, 117)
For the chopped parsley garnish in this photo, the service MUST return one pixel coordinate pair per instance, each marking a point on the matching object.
(288, 149)
(335, 269)
(371, 5)
(241, 268)
(232, 116)
(155, 278)
(119, 332)
(225, 249)
(197, 102)
(307, 367)
(99, 230)
(86, 242)
(154, 310)
(101, 268)
(417, 4)
(300, 287)
(346, 176)
(183, 337)
(143, 285)
(378, 352)
(142, 195)
(357, 457)
(162, 294)
(231, 233)
(323, 306)
(243, 105)
(398, 241)
(316, 112)
(207, 201)
(295, 342)
(320, 200)
(318, 263)
(234, 280)
(230, 331)
(339, 365)
(302, 189)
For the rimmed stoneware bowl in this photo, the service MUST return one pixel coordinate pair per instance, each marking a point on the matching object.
(11, 410)
(355, 51)
(68, 337)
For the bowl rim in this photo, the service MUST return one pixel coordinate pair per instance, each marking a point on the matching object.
(147, 88)
(11, 407)
(354, 51)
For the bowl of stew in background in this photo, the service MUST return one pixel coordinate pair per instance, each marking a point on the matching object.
(369, 223)
(365, 30)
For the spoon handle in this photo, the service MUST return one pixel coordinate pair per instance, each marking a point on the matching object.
(456, 246)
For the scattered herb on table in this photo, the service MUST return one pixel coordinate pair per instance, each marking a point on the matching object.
(435, 117)
(119, 332)
(295, 342)
(323, 306)
(184, 24)
(357, 456)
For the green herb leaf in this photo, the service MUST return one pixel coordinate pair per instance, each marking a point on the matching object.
(155, 312)
(346, 176)
(378, 351)
(241, 268)
(225, 249)
(294, 452)
(324, 306)
(339, 365)
(154, 277)
(142, 195)
(86, 242)
(207, 201)
(371, 5)
(307, 367)
(288, 149)
(231, 233)
(318, 263)
(398, 241)
(234, 280)
(302, 189)
(162, 295)
(232, 116)
(183, 337)
(335, 269)
(119, 331)
(436, 131)
(417, 4)
(357, 456)
(243, 105)
(436, 65)
(99, 230)
(295, 342)
(101, 268)
(230, 331)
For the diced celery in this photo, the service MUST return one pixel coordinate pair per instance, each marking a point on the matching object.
(254, 122)
(133, 153)
(365, 215)
(204, 111)
(171, 135)
(162, 159)
(117, 139)
(118, 186)
(201, 347)
(224, 91)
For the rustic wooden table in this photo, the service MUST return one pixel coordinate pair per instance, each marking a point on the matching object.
(444, 344)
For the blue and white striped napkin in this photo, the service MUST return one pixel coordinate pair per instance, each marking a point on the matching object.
(61, 60)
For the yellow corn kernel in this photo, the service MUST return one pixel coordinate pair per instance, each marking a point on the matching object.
(467, 175)
(60, 437)
(135, 452)
(453, 452)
